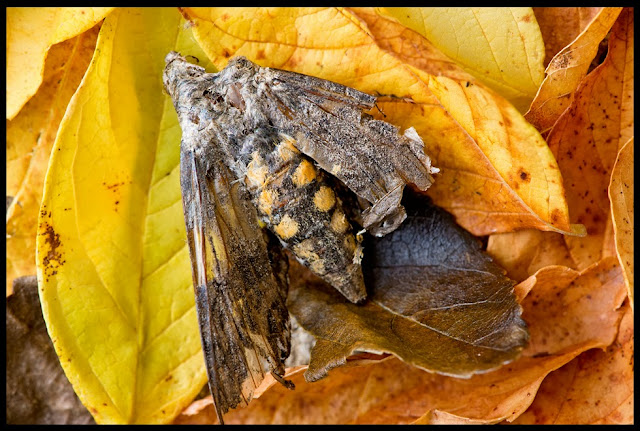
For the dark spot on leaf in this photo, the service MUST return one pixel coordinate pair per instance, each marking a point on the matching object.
(524, 175)
(52, 240)
(113, 187)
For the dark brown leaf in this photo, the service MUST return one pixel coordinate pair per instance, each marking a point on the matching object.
(38, 392)
(435, 300)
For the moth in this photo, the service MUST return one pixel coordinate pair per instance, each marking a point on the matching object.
(271, 159)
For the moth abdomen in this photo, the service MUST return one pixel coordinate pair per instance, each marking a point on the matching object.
(297, 202)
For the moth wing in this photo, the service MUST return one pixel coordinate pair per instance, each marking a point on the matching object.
(369, 156)
(240, 296)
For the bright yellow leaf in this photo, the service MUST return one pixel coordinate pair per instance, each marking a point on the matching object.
(30, 33)
(30, 136)
(409, 46)
(497, 174)
(113, 266)
(621, 196)
(502, 47)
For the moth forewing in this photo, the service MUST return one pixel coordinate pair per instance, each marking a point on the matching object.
(240, 302)
(369, 156)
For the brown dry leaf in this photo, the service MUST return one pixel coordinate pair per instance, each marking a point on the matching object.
(37, 390)
(568, 313)
(30, 136)
(621, 195)
(587, 137)
(524, 252)
(497, 173)
(435, 300)
(594, 388)
(561, 25)
(567, 69)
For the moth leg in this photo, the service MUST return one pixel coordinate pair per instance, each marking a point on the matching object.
(387, 213)
(286, 383)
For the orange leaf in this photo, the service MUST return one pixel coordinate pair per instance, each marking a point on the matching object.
(524, 252)
(497, 172)
(594, 388)
(566, 70)
(587, 137)
(570, 310)
(522, 183)
(561, 25)
(621, 195)
(568, 313)
(30, 137)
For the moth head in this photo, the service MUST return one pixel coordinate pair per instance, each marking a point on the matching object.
(240, 69)
(178, 71)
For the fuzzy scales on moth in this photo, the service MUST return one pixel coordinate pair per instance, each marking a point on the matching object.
(282, 134)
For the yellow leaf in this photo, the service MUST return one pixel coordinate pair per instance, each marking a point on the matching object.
(621, 195)
(566, 70)
(502, 47)
(497, 173)
(30, 33)
(113, 266)
(409, 46)
(30, 137)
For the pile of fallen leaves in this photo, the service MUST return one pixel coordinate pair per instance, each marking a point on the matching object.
(528, 114)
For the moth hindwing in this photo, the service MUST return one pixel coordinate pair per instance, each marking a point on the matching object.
(263, 146)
